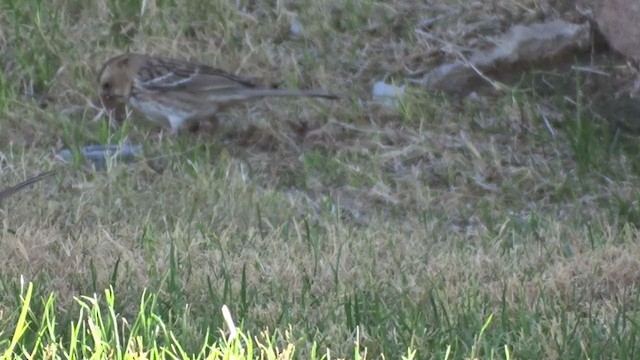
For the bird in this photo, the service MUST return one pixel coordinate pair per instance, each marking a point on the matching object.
(176, 92)
(5, 193)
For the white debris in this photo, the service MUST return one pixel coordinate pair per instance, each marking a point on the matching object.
(296, 27)
(390, 94)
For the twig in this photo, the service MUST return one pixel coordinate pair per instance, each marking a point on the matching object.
(14, 189)
(233, 331)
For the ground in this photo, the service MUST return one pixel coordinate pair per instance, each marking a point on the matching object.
(402, 226)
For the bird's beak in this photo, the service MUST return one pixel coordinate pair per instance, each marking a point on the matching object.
(111, 98)
(110, 101)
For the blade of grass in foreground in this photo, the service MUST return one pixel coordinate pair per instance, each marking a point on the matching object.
(22, 325)
(101, 332)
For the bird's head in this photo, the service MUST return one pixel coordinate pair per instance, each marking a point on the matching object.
(116, 79)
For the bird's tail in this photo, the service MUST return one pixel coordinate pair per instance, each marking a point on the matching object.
(264, 92)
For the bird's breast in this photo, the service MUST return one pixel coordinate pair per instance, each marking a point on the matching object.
(160, 110)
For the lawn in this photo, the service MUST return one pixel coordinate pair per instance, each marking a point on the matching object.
(435, 227)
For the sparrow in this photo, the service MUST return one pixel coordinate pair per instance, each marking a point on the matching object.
(176, 92)
(14, 189)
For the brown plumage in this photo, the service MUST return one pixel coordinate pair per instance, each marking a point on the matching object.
(175, 92)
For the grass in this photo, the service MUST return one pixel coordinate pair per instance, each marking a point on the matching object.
(500, 227)
(98, 332)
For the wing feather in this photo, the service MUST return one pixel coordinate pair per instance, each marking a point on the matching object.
(170, 75)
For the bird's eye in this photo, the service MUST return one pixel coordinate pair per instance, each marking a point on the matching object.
(106, 85)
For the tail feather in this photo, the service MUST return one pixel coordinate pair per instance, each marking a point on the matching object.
(264, 92)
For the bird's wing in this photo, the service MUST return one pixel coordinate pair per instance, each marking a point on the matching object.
(172, 75)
